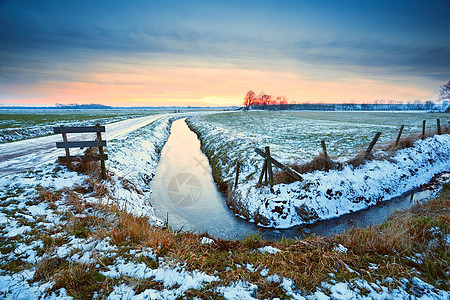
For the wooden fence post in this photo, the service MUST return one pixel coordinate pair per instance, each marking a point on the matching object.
(266, 175)
(325, 153)
(399, 135)
(269, 166)
(264, 169)
(423, 129)
(324, 148)
(438, 121)
(64, 136)
(290, 172)
(372, 144)
(101, 152)
(238, 166)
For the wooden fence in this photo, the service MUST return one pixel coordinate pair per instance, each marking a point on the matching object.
(267, 173)
(98, 143)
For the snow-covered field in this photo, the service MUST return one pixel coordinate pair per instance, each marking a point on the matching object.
(296, 135)
(321, 195)
(35, 232)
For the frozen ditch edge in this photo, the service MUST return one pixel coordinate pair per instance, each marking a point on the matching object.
(322, 195)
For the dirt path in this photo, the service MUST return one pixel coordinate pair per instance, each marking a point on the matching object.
(28, 154)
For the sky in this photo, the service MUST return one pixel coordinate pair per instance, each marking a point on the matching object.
(210, 53)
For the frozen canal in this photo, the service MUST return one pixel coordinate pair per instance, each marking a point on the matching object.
(183, 189)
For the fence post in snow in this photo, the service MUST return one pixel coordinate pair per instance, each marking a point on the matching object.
(64, 136)
(372, 144)
(266, 176)
(438, 121)
(238, 166)
(276, 163)
(269, 166)
(101, 152)
(399, 135)
(324, 148)
(423, 129)
(264, 170)
(325, 153)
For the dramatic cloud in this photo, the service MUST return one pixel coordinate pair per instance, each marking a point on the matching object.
(62, 44)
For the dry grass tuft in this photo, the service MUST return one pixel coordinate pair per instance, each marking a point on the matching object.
(405, 142)
(130, 229)
(49, 196)
(99, 190)
(81, 281)
(91, 168)
(318, 163)
(360, 159)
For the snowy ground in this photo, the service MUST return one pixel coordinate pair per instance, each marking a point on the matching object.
(34, 232)
(321, 195)
(31, 235)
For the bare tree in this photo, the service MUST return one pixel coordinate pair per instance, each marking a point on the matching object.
(249, 98)
(444, 91)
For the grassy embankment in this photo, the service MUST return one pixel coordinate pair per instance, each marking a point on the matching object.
(390, 248)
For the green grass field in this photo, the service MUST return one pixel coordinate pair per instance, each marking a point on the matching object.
(39, 117)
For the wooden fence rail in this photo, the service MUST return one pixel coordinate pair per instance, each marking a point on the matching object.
(98, 143)
(81, 144)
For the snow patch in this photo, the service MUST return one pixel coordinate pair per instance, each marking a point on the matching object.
(269, 250)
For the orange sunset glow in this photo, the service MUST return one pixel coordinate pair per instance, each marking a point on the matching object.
(209, 87)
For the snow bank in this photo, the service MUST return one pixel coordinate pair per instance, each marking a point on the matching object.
(321, 195)
(136, 154)
(133, 158)
(324, 195)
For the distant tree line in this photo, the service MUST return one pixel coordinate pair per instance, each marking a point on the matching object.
(263, 99)
(351, 107)
(82, 106)
(268, 102)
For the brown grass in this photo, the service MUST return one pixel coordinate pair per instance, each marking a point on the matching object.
(318, 163)
(307, 262)
(81, 281)
(404, 142)
(359, 159)
(410, 232)
(91, 168)
(48, 196)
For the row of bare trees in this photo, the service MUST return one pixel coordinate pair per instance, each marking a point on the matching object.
(251, 99)
(263, 99)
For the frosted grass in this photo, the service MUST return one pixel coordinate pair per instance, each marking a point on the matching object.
(297, 134)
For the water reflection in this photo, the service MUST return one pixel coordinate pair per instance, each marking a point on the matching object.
(183, 189)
